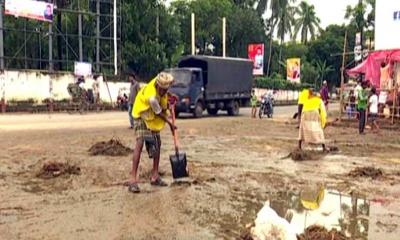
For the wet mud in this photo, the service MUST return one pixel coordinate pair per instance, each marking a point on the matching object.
(366, 172)
(316, 232)
(57, 169)
(113, 147)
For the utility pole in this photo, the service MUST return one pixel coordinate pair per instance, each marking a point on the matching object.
(224, 37)
(360, 3)
(98, 36)
(80, 36)
(193, 36)
(115, 39)
(1, 38)
(51, 66)
(342, 76)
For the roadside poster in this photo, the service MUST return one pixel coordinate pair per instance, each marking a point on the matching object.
(83, 69)
(256, 54)
(293, 69)
(42, 11)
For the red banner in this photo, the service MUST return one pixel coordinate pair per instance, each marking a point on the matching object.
(256, 54)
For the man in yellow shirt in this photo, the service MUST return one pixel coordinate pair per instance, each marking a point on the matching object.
(150, 113)
(303, 96)
(313, 121)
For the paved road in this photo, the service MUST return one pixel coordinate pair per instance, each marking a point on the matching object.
(25, 121)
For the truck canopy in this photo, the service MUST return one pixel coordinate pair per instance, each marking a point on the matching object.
(222, 75)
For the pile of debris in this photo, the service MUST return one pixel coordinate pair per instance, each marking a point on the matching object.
(315, 232)
(367, 172)
(56, 169)
(111, 148)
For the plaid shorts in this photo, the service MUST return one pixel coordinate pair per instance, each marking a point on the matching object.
(151, 139)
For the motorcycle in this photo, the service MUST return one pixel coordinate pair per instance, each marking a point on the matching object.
(267, 107)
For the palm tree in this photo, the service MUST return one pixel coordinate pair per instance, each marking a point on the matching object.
(282, 18)
(323, 69)
(308, 22)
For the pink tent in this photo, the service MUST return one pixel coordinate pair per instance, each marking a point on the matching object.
(371, 66)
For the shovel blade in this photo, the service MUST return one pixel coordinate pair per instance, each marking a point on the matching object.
(179, 165)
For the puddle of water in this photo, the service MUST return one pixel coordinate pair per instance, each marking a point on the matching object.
(353, 215)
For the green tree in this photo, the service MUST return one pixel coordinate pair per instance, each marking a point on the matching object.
(307, 22)
(323, 69)
(146, 48)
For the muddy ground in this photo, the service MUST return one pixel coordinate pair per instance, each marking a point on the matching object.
(236, 164)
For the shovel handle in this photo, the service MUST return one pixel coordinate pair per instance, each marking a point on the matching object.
(174, 133)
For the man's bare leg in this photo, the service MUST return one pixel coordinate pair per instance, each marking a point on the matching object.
(136, 159)
(300, 144)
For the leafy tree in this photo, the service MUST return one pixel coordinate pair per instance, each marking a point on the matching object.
(323, 69)
(307, 22)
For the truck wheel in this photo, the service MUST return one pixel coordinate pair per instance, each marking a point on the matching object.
(234, 109)
(198, 111)
(212, 111)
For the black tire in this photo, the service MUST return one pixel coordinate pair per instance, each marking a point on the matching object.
(234, 109)
(177, 114)
(198, 111)
(212, 111)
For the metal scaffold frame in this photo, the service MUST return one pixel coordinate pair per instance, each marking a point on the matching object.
(82, 30)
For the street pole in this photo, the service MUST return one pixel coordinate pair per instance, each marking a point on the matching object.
(224, 37)
(2, 77)
(1, 38)
(193, 36)
(51, 67)
(342, 76)
(80, 37)
(360, 2)
(115, 39)
(98, 36)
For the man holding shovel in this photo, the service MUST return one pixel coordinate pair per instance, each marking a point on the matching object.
(150, 113)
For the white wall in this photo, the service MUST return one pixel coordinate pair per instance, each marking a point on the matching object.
(387, 24)
(23, 85)
(280, 95)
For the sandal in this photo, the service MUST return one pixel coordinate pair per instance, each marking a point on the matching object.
(159, 182)
(133, 188)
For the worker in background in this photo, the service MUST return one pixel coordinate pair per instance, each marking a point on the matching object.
(313, 121)
(134, 89)
(253, 104)
(150, 113)
(96, 91)
(325, 94)
(362, 104)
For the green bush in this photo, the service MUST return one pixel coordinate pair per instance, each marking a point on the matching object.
(277, 83)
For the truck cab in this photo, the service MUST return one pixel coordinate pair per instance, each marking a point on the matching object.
(188, 87)
(212, 83)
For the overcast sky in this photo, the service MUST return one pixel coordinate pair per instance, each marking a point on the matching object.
(329, 11)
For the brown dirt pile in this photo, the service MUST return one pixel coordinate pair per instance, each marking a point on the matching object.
(111, 148)
(56, 169)
(366, 172)
(315, 232)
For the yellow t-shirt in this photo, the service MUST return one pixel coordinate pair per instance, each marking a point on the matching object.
(315, 103)
(142, 108)
(303, 96)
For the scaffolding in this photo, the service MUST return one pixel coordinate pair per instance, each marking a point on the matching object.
(81, 31)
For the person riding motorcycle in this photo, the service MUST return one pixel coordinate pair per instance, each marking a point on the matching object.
(267, 105)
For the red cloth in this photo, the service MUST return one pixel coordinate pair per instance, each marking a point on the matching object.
(372, 65)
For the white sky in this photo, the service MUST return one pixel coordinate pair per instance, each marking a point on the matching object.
(328, 11)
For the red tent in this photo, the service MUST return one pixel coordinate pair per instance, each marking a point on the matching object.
(371, 66)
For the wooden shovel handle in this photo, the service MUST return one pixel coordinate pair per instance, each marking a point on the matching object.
(174, 133)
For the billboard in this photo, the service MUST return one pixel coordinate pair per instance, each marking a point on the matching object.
(256, 54)
(82, 69)
(30, 9)
(293, 69)
(387, 24)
